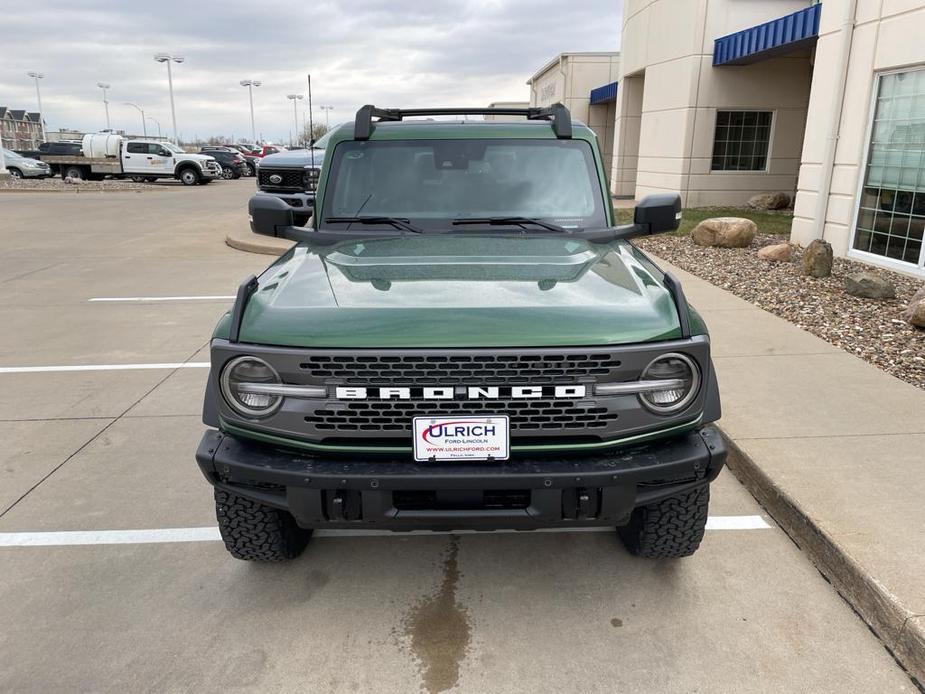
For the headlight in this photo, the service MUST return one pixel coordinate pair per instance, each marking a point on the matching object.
(681, 379)
(238, 375)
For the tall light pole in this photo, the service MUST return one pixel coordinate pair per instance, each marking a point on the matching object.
(167, 58)
(158, 123)
(38, 95)
(295, 109)
(250, 84)
(327, 110)
(144, 125)
(104, 87)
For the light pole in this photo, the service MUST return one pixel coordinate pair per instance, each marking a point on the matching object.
(158, 123)
(327, 110)
(167, 58)
(38, 95)
(144, 125)
(250, 84)
(104, 87)
(295, 109)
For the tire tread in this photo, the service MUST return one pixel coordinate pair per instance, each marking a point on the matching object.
(255, 532)
(670, 528)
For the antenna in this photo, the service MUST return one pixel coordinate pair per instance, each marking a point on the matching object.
(311, 128)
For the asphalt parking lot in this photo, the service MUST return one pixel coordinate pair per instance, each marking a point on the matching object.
(107, 449)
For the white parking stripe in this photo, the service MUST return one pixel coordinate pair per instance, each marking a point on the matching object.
(103, 367)
(209, 534)
(163, 298)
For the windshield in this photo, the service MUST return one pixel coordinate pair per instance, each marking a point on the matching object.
(322, 141)
(431, 183)
(10, 154)
(173, 148)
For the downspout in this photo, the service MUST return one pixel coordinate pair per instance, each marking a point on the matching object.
(831, 145)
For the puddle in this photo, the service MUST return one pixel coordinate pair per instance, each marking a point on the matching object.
(439, 629)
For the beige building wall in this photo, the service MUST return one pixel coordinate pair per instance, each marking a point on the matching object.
(506, 104)
(569, 78)
(887, 36)
(670, 93)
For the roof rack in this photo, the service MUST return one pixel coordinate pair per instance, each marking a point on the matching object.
(557, 113)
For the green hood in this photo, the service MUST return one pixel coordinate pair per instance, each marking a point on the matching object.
(460, 291)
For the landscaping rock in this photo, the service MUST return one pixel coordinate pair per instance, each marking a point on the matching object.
(867, 285)
(818, 259)
(769, 201)
(915, 311)
(725, 232)
(778, 252)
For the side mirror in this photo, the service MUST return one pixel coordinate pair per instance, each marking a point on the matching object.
(658, 213)
(269, 215)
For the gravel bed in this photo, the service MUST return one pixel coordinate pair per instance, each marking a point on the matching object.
(57, 185)
(872, 330)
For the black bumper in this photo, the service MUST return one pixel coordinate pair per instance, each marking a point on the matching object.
(526, 493)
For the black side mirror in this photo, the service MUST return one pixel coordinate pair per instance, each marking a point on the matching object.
(269, 215)
(658, 213)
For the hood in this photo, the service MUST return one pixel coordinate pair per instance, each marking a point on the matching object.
(199, 157)
(464, 291)
(296, 158)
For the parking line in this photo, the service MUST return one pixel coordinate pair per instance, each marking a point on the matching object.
(211, 534)
(163, 298)
(103, 367)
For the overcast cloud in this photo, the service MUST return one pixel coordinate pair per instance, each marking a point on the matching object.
(391, 53)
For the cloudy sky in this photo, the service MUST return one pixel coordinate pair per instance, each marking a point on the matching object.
(387, 52)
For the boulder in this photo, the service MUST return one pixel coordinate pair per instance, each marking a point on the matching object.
(867, 285)
(817, 259)
(915, 311)
(725, 232)
(769, 201)
(778, 252)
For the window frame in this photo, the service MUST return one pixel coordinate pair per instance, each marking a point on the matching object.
(903, 266)
(767, 161)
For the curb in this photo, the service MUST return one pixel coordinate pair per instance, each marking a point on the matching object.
(255, 243)
(894, 625)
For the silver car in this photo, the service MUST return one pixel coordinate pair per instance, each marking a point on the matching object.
(23, 167)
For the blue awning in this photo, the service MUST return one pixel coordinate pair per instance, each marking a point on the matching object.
(780, 35)
(601, 95)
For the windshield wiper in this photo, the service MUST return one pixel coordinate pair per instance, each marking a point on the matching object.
(511, 221)
(396, 222)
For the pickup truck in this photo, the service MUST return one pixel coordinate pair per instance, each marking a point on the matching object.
(104, 154)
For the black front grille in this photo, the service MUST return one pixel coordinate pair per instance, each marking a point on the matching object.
(461, 369)
(290, 179)
(396, 416)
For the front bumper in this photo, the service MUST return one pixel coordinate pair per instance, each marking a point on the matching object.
(398, 494)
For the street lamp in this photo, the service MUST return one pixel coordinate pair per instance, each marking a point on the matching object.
(158, 123)
(38, 94)
(104, 86)
(295, 110)
(327, 110)
(250, 84)
(167, 58)
(144, 126)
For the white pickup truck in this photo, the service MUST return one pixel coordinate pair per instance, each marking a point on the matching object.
(105, 154)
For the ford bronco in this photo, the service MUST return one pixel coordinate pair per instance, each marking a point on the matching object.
(463, 338)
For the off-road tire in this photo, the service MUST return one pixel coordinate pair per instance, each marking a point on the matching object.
(669, 528)
(189, 176)
(255, 532)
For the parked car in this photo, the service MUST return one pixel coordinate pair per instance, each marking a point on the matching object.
(247, 151)
(463, 338)
(232, 161)
(266, 150)
(292, 177)
(25, 167)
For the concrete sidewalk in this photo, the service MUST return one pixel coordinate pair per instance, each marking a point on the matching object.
(835, 450)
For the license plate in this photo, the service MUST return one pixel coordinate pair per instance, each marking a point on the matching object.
(461, 438)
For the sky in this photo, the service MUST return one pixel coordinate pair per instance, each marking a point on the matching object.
(393, 53)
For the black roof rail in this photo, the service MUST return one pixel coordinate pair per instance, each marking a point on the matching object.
(557, 113)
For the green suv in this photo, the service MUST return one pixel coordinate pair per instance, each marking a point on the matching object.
(462, 338)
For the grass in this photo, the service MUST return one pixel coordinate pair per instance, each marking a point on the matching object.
(769, 222)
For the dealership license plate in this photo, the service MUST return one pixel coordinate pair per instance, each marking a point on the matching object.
(461, 438)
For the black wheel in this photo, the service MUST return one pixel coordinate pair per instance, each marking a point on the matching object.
(251, 170)
(669, 528)
(189, 177)
(255, 532)
(14, 173)
(73, 172)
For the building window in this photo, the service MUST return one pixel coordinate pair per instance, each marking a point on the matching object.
(742, 140)
(891, 215)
